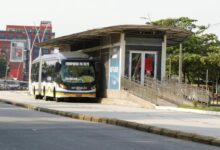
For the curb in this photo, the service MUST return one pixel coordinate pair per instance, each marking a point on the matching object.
(117, 122)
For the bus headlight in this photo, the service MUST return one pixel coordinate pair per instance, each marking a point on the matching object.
(62, 86)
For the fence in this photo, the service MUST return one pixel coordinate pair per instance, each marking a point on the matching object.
(171, 91)
(182, 93)
(144, 91)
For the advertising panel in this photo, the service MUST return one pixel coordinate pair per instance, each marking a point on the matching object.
(17, 49)
(114, 69)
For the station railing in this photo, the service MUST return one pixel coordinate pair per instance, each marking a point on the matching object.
(171, 91)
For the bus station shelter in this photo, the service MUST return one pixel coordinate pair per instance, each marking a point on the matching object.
(135, 51)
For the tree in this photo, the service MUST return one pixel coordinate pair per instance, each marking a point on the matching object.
(3, 64)
(200, 51)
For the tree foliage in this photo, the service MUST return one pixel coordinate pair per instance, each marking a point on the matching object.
(3, 64)
(201, 51)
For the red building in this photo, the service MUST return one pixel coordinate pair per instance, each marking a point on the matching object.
(17, 41)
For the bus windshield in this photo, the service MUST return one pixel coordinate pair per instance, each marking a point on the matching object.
(77, 72)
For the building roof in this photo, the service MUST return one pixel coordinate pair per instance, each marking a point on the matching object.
(174, 35)
(42, 26)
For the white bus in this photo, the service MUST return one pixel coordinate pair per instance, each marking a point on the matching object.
(64, 75)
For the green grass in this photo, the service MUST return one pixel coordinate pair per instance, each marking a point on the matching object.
(208, 108)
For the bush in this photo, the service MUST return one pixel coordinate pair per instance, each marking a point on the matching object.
(195, 103)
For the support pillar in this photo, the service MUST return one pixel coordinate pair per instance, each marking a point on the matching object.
(122, 58)
(163, 57)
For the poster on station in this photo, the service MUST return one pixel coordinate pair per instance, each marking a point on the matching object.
(114, 68)
(17, 49)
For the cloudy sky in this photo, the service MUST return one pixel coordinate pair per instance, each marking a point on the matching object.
(71, 16)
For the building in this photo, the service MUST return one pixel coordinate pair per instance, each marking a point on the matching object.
(17, 41)
(135, 51)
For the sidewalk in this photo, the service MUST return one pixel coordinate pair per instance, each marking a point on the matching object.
(214, 113)
(157, 119)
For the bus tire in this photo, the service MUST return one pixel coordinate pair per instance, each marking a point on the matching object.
(40, 96)
(34, 92)
(44, 94)
(54, 96)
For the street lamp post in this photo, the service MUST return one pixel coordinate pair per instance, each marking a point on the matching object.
(30, 47)
(40, 54)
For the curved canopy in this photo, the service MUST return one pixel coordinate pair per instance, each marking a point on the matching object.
(174, 35)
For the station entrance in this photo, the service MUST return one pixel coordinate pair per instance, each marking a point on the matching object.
(142, 64)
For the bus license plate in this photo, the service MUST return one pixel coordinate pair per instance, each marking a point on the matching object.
(78, 95)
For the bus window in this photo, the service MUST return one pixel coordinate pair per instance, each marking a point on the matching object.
(80, 72)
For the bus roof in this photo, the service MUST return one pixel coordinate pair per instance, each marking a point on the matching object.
(64, 55)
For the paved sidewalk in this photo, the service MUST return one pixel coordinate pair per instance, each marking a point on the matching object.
(215, 113)
(191, 122)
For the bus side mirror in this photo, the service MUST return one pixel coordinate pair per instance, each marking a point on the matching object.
(57, 67)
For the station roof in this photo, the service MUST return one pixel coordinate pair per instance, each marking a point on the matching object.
(174, 35)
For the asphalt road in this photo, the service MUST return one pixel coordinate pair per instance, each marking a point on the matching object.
(22, 129)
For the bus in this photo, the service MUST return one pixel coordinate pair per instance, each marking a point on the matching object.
(64, 75)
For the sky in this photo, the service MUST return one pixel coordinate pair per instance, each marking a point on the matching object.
(72, 16)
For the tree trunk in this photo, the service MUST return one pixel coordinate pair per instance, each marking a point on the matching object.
(188, 78)
(184, 77)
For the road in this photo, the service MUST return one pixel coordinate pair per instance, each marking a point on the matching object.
(22, 129)
(202, 124)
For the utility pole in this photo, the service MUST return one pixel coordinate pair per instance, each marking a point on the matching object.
(180, 63)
